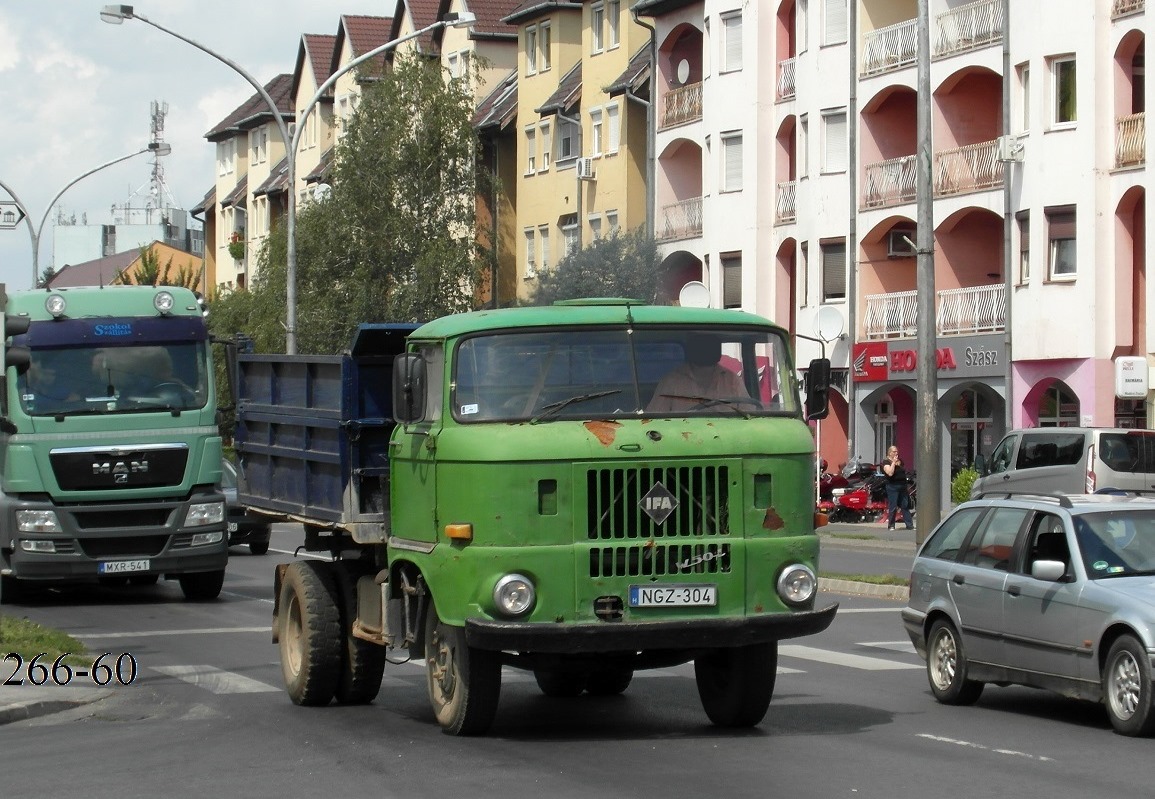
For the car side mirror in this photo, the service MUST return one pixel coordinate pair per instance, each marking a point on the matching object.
(981, 465)
(1049, 570)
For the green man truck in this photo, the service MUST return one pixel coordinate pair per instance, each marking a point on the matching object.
(581, 491)
(109, 445)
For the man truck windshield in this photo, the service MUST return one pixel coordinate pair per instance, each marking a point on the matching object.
(614, 372)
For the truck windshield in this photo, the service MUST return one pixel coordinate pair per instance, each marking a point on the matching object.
(536, 375)
(87, 376)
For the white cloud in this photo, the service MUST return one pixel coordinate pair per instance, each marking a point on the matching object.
(9, 46)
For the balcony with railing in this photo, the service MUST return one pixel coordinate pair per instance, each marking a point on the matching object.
(892, 47)
(785, 209)
(682, 105)
(1122, 7)
(969, 27)
(681, 220)
(890, 182)
(787, 78)
(975, 167)
(1130, 140)
(966, 311)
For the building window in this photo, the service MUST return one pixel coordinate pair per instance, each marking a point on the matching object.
(597, 21)
(612, 223)
(731, 162)
(595, 227)
(543, 236)
(531, 50)
(1063, 76)
(226, 151)
(731, 280)
(459, 65)
(835, 13)
(545, 42)
(803, 145)
(1025, 97)
(1058, 407)
(1061, 238)
(530, 249)
(1024, 220)
(259, 144)
(546, 145)
(596, 131)
(530, 151)
(613, 129)
(613, 22)
(833, 271)
(568, 140)
(834, 141)
(804, 275)
(731, 42)
(570, 233)
(802, 25)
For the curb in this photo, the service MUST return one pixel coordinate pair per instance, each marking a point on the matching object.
(875, 590)
(37, 703)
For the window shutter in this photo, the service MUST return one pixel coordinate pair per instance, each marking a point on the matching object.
(833, 271)
(836, 16)
(733, 54)
(732, 281)
(615, 129)
(835, 142)
(732, 162)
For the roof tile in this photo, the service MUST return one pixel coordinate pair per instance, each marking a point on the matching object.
(255, 111)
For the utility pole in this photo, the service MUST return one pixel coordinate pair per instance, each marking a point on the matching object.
(928, 444)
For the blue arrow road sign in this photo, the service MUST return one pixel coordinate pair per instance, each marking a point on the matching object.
(10, 215)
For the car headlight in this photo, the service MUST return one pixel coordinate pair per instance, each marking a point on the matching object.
(797, 585)
(203, 513)
(514, 595)
(37, 521)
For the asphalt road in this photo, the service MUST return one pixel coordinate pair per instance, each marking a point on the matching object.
(852, 716)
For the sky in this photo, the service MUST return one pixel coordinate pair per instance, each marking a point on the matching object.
(76, 92)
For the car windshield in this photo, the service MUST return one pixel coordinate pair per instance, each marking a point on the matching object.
(1117, 543)
(540, 375)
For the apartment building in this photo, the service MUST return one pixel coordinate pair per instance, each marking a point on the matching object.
(806, 175)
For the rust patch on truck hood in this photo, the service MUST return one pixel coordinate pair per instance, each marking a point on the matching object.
(605, 432)
(773, 521)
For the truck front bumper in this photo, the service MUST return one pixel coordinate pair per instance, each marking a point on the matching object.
(609, 637)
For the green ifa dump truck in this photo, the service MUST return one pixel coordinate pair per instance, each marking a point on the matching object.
(581, 491)
(109, 443)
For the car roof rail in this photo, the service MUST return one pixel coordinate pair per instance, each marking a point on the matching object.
(1063, 499)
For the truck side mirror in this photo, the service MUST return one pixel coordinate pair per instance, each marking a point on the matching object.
(981, 465)
(818, 389)
(410, 388)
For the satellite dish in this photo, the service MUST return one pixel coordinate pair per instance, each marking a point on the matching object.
(694, 295)
(828, 323)
(683, 72)
(322, 191)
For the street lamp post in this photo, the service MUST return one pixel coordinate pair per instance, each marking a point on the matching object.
(116, 14)
(159, 148)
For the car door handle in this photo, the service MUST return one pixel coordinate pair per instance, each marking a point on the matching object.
(1014, 590)
(958, 579)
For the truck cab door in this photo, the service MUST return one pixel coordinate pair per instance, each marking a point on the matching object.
(418, 396)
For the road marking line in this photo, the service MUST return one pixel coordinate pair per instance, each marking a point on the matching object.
(159, 633)
(843, 611)
(843, 658)
(973, 745)
(295, 554)
(894, 646)
(216, 680)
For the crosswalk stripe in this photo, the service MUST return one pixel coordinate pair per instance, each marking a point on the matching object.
(843, 658)
(216, 680)
(893, 646)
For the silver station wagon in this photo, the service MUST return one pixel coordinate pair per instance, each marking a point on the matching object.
(1053, 592)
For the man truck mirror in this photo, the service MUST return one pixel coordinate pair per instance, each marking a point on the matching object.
(818, 389)
(409, 388)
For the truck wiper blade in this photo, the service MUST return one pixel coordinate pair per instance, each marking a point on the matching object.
(555, 407)
(706, 402)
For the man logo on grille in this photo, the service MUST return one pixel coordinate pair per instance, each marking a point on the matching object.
(658, 503)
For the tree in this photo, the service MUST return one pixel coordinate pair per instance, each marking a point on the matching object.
(149, 272)
(620, 265)
(394, 238)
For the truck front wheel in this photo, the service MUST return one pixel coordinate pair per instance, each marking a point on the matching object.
(310, 633)
(464, 683)
(201, 586)
(737, 684)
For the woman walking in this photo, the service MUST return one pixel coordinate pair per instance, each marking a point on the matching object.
(897, 493)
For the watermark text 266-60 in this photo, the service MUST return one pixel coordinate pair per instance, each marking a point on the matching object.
(107, 669)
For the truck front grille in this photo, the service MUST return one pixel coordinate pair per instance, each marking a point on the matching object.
(701, 497)
(656, 560)
(96, 469)
(143, 545)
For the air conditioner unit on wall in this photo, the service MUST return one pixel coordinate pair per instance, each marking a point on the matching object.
(585, 169)
(1010, 148)
(900, 243)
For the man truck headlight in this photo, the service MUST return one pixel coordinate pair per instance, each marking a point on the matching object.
(199, 539)
(203, 513)
(37, 521)
(514, 595)
(797, 585)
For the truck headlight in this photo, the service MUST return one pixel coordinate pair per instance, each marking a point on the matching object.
(199, 539)
(797, 585)
(37, 521)
(203, 513)
(514, 595)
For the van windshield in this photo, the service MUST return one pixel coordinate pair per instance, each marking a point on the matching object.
(535, 375)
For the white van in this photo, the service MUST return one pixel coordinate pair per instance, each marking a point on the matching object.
(1070, 460)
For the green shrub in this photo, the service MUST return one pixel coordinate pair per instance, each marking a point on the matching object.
(960, 485)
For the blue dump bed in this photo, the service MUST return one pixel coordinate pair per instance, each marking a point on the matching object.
(312, 435)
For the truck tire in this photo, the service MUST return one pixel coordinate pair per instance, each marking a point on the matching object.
(464, 683)
(736, 684)
(11, 590)
(202, 586)
(560, 683)
(259, 547)
(310, 633)
(362, 662)
(609, 682)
